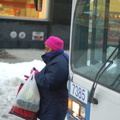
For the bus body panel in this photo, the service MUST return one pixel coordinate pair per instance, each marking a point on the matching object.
(108, 101)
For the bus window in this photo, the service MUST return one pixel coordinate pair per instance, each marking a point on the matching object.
(95, 35)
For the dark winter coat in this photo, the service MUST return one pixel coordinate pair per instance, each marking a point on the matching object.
(52, 84)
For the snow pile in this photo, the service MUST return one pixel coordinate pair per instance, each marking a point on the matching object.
(11, 75)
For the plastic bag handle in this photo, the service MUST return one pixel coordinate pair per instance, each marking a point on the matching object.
(32, 76)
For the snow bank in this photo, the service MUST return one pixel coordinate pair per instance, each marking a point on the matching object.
(11, 75)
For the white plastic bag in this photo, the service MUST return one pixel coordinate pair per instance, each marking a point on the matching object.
(29, 98)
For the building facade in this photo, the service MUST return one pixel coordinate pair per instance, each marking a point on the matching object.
(21, 26)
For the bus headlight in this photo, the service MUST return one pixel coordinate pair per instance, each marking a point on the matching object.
(83, 112)
(77, 109)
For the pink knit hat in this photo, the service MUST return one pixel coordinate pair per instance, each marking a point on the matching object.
(55, 43)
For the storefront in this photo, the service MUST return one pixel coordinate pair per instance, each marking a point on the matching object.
(25, 9)
(24, 27)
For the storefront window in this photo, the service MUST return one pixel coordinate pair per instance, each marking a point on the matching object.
(24, 9)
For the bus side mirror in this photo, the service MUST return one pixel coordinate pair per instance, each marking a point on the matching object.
(38, 5)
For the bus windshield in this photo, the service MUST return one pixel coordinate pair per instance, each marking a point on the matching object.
(95, 35)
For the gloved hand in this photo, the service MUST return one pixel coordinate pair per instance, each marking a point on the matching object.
(35, 71)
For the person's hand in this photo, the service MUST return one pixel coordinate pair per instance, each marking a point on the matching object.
(35, 71)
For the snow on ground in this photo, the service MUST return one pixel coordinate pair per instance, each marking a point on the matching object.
(11, 75)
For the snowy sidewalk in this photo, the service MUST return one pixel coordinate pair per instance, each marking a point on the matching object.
(23, 55)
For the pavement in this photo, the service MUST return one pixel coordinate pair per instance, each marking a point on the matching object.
(21, 55)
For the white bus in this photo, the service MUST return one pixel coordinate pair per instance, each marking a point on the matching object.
(94, 85)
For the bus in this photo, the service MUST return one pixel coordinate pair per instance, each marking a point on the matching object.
(94, 85)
